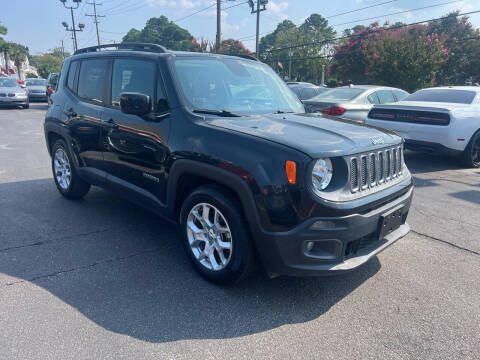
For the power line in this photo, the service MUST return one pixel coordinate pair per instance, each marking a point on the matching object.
(374, 31)
(328, 17)
(128, 8)
(194, 13)
(400, 12)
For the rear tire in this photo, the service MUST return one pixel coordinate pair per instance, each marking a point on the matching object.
(471, 154)
(224, 254)
(65, 176)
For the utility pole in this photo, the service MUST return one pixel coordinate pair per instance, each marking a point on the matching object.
(219, 25)
(94, 3)
(290, 54)
(63, 51)
(261, 6)
(323, 74)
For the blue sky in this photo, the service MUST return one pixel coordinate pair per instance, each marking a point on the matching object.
(37, 23)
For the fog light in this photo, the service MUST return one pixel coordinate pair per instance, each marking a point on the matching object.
(309, 246)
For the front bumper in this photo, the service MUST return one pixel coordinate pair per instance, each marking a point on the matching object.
(34, 96)
(343, 243)
(430, 147)
(8, 101)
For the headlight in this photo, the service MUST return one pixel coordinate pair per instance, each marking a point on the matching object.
(321, 174)
(20, 94)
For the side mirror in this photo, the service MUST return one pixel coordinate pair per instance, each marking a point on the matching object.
(23, 86)
(135, 103)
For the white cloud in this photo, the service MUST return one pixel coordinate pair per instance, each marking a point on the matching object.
(278, 8)
(178, 4)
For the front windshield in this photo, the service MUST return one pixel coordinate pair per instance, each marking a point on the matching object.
(344, 94)
(235, 85)
(8, 83)
(37, 82)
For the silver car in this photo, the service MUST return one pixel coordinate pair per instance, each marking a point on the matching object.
(354, 101)
(11, 93)
(37, 89)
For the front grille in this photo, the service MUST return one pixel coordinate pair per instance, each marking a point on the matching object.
(11, 95)
(375, 168)
(3, 95)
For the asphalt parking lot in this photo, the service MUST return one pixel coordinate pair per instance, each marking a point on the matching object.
(102, 278)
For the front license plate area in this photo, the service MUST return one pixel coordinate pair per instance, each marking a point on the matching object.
(390, 221)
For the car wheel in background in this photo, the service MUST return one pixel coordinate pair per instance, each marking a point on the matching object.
(471, 154)
(66, 178)
(216, 236)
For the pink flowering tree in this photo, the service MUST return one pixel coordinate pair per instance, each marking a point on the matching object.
(404, 57)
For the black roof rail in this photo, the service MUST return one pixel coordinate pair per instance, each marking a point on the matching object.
(125, 46)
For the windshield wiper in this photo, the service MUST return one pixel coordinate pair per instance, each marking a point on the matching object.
(224, 113)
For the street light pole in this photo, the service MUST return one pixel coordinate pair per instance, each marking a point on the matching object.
(73, 29)
(73, 20)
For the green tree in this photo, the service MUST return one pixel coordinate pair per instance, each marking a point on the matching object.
(291, 42)
(18, 53)
(163, 32)
(48, 63)
(3, 43)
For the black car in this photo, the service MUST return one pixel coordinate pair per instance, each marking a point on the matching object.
(52, 80)
(244, 177)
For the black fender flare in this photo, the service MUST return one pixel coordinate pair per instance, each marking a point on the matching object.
(217, 175)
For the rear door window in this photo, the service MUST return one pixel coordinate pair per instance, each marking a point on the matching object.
(385, 96)
(373, 98)
(91, 80)
(400, 95)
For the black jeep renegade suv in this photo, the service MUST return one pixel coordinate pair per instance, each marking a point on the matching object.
(220, 145)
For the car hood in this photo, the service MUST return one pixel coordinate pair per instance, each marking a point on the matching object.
(313, 134)
(37, 87)
(11, 89)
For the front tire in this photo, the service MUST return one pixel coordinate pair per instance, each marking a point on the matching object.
(471, 154)
(216, 237)
(26, 106)
(66, 177)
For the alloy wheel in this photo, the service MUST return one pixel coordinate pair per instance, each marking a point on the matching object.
(209, 236)
(476, 149)
(62, 169)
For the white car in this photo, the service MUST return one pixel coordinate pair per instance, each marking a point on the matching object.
(441, 119)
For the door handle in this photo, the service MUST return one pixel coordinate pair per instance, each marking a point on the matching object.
(110, 123)
(70, 113)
